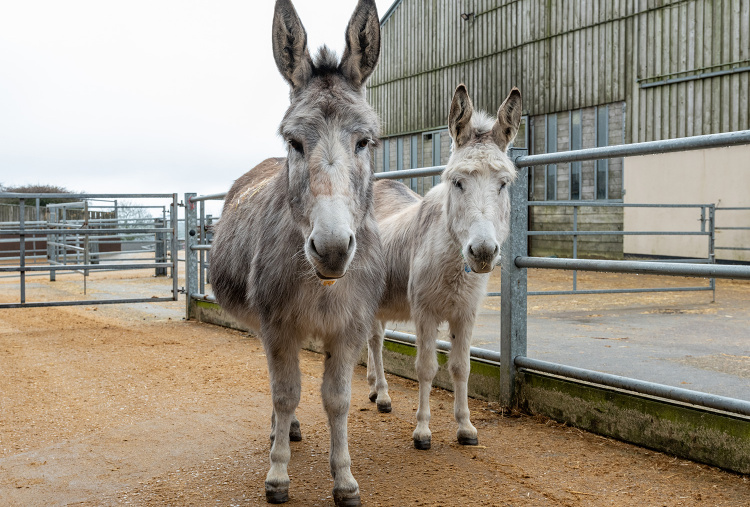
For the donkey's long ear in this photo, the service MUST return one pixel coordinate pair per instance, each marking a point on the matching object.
(290, 45)
(508, 119)
(459, 116)
(362, 43)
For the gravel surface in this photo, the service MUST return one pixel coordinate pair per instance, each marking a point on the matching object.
(130, 404)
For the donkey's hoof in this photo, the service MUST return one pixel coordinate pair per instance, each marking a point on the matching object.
(373, 397)
(384, 408)
(295, 433)
(276, 494)
(346, 500)
(423, 445)
(468, 440)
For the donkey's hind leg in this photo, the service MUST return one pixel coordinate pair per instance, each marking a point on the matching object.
(459, 365)
(336, 391)
(295, 432)
(426, 367)
(284, 372)
(375, 374)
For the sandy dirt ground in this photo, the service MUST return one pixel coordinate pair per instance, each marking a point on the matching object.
(131, 405)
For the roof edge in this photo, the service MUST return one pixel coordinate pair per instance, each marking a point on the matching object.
(390, 10)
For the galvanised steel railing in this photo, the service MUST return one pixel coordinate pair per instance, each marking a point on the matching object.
(515, 261)
(56, 234)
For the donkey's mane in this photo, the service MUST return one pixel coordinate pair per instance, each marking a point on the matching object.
(482, 122)
(326, 61)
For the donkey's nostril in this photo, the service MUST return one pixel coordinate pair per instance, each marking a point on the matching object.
(497, 247)
(351, 243)
(471, 251)
(312, 247)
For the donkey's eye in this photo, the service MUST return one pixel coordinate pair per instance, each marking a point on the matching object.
(296, 145)
(502, 186)
(362, 144)
(458, 184)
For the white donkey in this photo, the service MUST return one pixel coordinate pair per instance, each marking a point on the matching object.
(297, 251)
(440, 250)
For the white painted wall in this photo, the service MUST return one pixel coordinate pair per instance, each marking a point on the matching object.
(720, 176)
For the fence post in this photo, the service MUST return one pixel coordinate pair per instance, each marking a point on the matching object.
(160, 247)
(513, 286)
(209, 240)
(22, 247)
(712, 245)
(191, 256)
(174, 247)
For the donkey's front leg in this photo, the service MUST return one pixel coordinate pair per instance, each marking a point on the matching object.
(283, 370)
(375, 375)
(336, 392)
(426, 367)
(459, 365)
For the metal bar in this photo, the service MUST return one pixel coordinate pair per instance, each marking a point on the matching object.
(73, 232)
(575, 245)
(65, 245)
(197, 248)
(704, 75)
(733, 228)
(730, 248)
(202, 241)
(208, 197)
(19, 195)
(712, 245)
(191, 257)
(612, 204)
(85, 302)
(70, 267)
(475, 352)
(513, 286)
(22, 246)
(174, 247)
(632, 150)
(610, 291)
(410, 173)
(617, 233)
(649, 268)
(712, 401)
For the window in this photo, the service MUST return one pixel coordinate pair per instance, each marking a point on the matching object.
(435, 155)
(550, 138)
(400, 154)
(386, 155)
(575, 144)
(414, 161)
(602, 139)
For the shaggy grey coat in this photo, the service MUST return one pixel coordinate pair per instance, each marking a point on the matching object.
(297, 252)
(440, 250)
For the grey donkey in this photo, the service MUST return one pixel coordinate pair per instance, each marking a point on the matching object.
(297, 252)
(440, 250)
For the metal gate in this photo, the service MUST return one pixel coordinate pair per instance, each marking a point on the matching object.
(62, 243)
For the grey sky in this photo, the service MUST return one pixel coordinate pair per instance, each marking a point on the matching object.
(145, 96)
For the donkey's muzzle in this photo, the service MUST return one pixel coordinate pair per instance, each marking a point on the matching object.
(482, 256)
(331, 254)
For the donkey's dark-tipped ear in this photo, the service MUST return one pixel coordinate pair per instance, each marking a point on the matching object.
(459, 116)
(508, 119)
(362, 43)
(290, 45)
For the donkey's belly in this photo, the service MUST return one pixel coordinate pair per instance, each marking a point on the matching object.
(395, 309)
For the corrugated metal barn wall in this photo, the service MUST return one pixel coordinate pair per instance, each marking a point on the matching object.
(570, 55)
